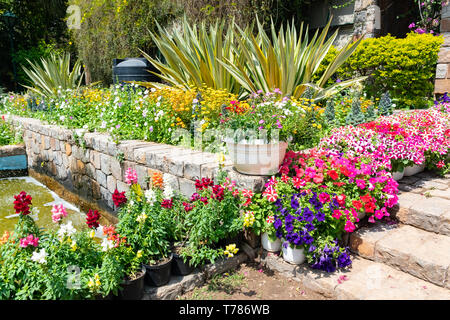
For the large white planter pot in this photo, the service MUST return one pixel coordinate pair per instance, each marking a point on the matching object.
(293, 255)
(257, 159)
(398, 175)
(267, 244)
(415, 169)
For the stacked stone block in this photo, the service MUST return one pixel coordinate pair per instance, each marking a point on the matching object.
(92, 166)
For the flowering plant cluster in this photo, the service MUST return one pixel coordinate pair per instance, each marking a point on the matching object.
(267, 117)
(158, 219)
(36, 264)
(430, 14)
(396, 141)
(320, 196)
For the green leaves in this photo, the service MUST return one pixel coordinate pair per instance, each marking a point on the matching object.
(192, 55)
(53, 74)
(287, 60)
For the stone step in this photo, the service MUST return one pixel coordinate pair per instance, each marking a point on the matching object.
(364, 280)
(423, 254)
(430, 212)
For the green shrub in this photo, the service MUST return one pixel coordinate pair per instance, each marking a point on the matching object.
(404, 67)
(117, 29)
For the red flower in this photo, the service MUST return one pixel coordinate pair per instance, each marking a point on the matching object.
(92, 218)
(357, 204)
(285, 178)
(318, 178)
(339, 184)
(247, 193)
(187, 206)
(167, 203)
(119, 198)
(341, 200)
(370, 207)
(218, 192)
(367, 198)
(204, 200)
(333, 174)
(345, 171)
(298, 183)
(22, 203)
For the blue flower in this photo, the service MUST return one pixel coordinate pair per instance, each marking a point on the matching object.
(320, 216)
(277, 223)
(310, 227)
(294, 202)
(308, 239)
(344, 260)
(308, 214)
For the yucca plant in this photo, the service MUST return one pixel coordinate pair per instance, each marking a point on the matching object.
(192, 55)
(53, 73)
(287, 60)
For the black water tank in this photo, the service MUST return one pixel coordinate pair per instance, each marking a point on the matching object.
(133, 69)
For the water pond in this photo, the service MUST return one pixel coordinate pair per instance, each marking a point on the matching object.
(43, 200)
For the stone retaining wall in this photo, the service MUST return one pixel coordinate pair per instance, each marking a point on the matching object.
(93, 166)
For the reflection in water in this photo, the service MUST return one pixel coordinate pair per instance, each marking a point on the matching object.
(43, 200)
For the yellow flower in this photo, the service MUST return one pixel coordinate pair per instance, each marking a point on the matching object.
(74, 245)
(92, 234)
(230, 250)
(139, 254)
(249, 219)
(141, 218)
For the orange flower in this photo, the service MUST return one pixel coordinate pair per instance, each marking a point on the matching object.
(4, 238)
(157, 180)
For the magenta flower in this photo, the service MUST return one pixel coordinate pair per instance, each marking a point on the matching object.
(30, 240)
(131, 176)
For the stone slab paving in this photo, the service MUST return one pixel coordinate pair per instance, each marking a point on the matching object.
(420, 253)
(365, 280)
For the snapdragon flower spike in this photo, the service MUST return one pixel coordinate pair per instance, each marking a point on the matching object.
(58, 212)
(30, 240)
(22, 203)
(92, 218)
(131, 176)
(119, 198)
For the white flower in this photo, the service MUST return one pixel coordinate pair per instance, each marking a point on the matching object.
(169, 180)
(35, 214)
(40, 257)
(62, 118)
(168, 192)
(150, 195)
(66, 230)
(107, 244)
